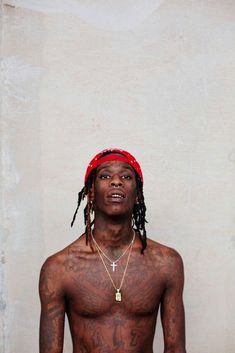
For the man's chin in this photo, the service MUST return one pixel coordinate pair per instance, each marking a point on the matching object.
(118, 212)
(115, 211)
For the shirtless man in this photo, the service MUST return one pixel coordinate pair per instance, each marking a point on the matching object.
(112, 280)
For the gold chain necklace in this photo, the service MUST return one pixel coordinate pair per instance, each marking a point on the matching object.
(118, 295)
(113, 262)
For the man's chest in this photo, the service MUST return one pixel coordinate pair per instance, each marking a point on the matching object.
(93, 290)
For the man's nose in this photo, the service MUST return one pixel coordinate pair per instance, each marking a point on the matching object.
(116, 181)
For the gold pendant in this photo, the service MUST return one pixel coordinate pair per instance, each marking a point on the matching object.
(118, 296)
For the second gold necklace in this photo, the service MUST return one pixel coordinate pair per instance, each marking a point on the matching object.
(118, 294)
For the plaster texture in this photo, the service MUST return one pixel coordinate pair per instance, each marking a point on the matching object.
(154, 77)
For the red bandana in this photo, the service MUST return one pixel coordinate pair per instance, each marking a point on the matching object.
(124, 156)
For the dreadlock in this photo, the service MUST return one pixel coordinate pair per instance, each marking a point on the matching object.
(138, 216)
(139, 212)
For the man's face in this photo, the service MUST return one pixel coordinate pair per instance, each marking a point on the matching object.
(115, 189)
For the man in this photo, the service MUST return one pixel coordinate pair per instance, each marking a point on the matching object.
(112, 280)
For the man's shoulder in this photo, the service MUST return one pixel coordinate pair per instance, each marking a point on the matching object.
(167, 254)
(58, 259)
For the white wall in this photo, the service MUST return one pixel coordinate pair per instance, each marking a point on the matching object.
(154, 77)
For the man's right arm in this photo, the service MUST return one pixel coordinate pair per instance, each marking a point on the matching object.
(52, 308)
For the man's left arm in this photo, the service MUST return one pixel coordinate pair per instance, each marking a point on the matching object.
(172, 308)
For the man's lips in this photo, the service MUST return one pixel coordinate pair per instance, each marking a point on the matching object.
(116, 195)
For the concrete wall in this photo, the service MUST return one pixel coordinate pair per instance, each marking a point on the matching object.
(153, 77)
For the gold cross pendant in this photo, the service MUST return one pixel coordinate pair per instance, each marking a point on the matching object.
(118, 296)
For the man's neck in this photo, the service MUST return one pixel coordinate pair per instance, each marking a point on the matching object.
(113, 235)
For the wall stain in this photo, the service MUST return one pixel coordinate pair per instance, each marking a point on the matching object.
(233, 241)
(231, 156)
(8, 5)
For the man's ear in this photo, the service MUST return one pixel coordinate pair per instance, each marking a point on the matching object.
(91, 194)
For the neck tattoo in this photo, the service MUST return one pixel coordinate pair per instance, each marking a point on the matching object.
(118, 295)
(113, 263)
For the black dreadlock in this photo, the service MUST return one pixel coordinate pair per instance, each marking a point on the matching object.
(139, 211)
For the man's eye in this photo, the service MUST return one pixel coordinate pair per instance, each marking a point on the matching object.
(128, 177)
(104, 176)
